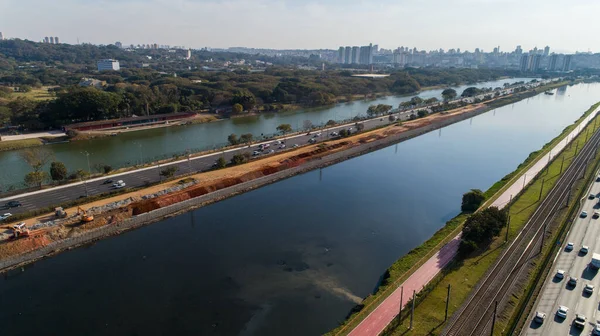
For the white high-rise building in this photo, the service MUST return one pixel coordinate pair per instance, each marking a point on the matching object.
(56, 40)
(108, 64)
(1, 36)
(51, 39)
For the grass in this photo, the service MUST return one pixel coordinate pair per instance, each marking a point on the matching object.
(19, 144)
(464, 275)
(35, 94)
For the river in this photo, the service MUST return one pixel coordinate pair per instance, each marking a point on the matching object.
(291, 258)
(130, 148)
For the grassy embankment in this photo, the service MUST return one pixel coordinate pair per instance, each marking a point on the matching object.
(465, 274)
(35, 94)
(19, 144)
(400, 270)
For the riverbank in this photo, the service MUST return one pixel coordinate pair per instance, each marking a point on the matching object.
(234, 180)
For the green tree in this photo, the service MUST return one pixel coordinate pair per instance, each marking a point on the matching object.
(480, 228)
(330, 122)
(449, 94)
(237, 108)
(232, 138)
(421, 113)
(246, 138)
(432, 100)
(221, 163)
(471, 200)
(58, 171)
(470, 92)
(372, 110)
(284, 128)
(35, 178)
(244, 98)
(344, 133)
(107, 169)
(238, 159)
(416, 100)
(359, 126)
(169, 171)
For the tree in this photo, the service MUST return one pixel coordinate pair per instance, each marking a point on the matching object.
(237, 109)
(471, 200)
(449, 94)
(480, 228)
(169, 171)
(344, 133)
(470, 92)
(58, 171)
(392, 118)
(307, 124)
(36, 158)
(284, 128)
(35, 178)
(416, 100)
(238, 159)
(421, 113)
(432, 100)
(246, 138)
(107, 169)
(330, 122)
(232, 138)
(372, 110)
(221, 163)
(244, 98)
(359, 126)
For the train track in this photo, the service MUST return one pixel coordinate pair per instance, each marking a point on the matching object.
(475, 315)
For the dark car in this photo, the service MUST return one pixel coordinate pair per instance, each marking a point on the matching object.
(13, 204)
(107, 182)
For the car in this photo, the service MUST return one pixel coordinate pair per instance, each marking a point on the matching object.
(584, 249)
(596, 214)
(583, 214)
(255, 153)
(562, 311)
(579, 321)
(109, 181)
(539, 317)
(313, 140)
(596, 330)
(13, 204)
(317, 135)
(5, 216)
(282, 146)
(296, 146)
(271, 151)
(560, 274)
(120, 184)
(572, 281)
(598, 178)
(591, 196)
(569, 246)
(277, 143)
(333, 134)
(588, 288)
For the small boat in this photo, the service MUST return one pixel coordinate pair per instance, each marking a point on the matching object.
(549, 93)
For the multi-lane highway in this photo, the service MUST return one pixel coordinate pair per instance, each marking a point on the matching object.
(557, 292)
(141, 177)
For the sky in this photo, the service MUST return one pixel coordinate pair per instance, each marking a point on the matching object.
(564, 25)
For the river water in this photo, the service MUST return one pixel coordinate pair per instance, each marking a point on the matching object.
(291, 258)
(131, 148)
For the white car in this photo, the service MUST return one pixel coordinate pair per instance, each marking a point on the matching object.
(333, 134)
(596, 330)
(282, 146)
(569, 246)
(255, 153)
(5, 216)
(584, 249)
(296, 146)
(562, 311)
(317, 135)
(560, 274)
(120, 184)
(277, 143)
(583, 214)
(580, 321)
(539, 317)
(313, 140)
(589, 289)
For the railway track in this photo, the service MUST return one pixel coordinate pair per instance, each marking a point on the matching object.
(475, 315)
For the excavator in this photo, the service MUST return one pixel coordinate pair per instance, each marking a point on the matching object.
(20, 231)
(60, 212)
(85, 218)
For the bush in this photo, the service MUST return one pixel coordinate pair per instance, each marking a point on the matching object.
(480, 228)
(472, 200)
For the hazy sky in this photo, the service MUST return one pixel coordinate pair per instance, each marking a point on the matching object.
(564, 25)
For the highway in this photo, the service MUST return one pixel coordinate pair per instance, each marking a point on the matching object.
(140, 177)
(556, 292)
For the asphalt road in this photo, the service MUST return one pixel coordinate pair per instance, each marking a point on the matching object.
(141, 177)
(556, 292)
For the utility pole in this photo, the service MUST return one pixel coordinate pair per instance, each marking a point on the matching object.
(507, 227)
(412, 311)
(576, 147)
(524, 178)
(541, 189)
(447, 303)
(562, 163)
(494, 318)
(401, 302)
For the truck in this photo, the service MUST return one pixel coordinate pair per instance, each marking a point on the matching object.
(595, 263)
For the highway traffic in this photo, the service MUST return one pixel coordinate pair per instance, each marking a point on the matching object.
(572, 283)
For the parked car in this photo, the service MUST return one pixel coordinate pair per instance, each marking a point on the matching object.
(562, 311)
(569, 246)
(580, 321)
(5, 216)
(560, 274)
(539, 317)
(13, 204)
(583, 214)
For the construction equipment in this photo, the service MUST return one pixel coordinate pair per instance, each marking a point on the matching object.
(60, 212)
(20, 231)
(85, 218)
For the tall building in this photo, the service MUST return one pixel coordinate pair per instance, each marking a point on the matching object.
(519, 50)
(355, 55)
(524, 63)
(552, 62)
(189, 54)
(108, 64)
(1, 36)
(341, 55)
(46, 39)
(366, 54)
(567, 63)
(546, 51)
(119, 44)
(376, 48)
(537, 60)
(348, 55)
(51, 39)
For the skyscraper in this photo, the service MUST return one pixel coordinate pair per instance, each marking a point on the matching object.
(537, 60)
(1, 36)
(552, 62)
(355, 55)
(567, 63)
(546, 51)
(56, 40)
(524, 63)
(519, 51)
(46, 39)
(51, 39)
(348, 55)
(341, 55)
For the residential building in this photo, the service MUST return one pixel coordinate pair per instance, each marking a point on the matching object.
(355, 55)
(51, 39)
(366, 54)
(348, 55)
(92, 82)
(56, 40)
(519, 51)
(537, 60)
(341, 54)
(567, 63)
(552, 62)
(108, 64)
(46, 39)
(546, 51)
(188, 54)
(1, 36)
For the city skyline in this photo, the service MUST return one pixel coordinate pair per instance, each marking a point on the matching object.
(311, 25)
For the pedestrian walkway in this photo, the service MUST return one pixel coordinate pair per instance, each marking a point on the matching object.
(387, 310)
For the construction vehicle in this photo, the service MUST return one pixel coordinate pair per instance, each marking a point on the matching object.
(85, 218)
(20, 231)
(60, 212)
